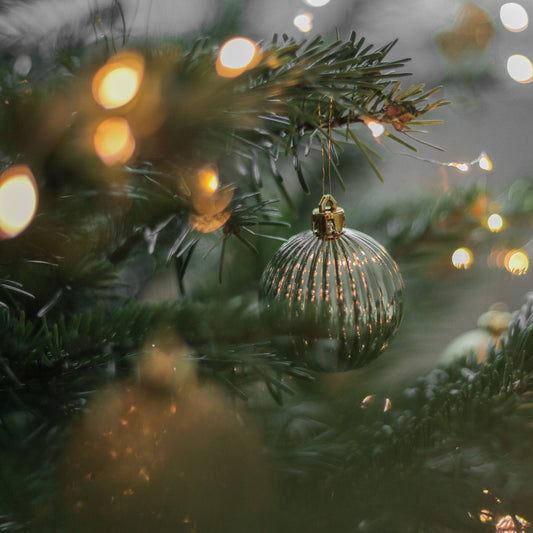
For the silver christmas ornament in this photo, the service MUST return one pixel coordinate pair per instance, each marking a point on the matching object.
(334, 295)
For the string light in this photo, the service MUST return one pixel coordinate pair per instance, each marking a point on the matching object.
(113, 141)
(514, 17)
(208, 180)
(463, 167)
(236, 56)
(304, 22)
(484, 162)
(462, 258)
(317, 3)
(495, 223)
(520, 68)
(375, 127)
(118, 81)
(516, 262)
(18, 200)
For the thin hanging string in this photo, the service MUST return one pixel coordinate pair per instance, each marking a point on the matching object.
(329, 141)
(322, 149)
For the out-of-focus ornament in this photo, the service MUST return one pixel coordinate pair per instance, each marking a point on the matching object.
(334, 294)
(471, 34)
(512, 524)
(18, 200)
(490, 327)
(163, 455)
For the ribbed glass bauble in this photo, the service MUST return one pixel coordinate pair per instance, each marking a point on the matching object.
(333, 295)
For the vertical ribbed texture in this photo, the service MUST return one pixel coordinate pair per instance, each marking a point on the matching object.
(348, 290)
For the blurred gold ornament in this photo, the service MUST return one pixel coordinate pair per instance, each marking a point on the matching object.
(236, 56)
(472, 33)
(113, 141)
(209, 223)
(490, 328)
(18, 200)
(118, 81)
(148, 460)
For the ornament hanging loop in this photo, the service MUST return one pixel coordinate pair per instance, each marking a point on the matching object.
(329, 220)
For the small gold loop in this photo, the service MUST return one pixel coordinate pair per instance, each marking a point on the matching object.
(326, 200)
(329, 220)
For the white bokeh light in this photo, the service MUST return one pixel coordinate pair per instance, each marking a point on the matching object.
(520, 68)
(237, 53)
(316, 3)
(304, 22)
(514, 17)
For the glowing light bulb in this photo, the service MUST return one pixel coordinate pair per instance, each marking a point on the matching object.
(495, 223)
(485, 163)
(113, 141)
(462, 258)
(520, 68)
(237, 55)
(18, 200)
(514, 17)
(117, 83)
(376, 128)
(317, 3)
(209, 181)
(304, 22)
(517, 262)
(463, 167)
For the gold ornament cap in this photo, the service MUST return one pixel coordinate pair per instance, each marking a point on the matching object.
(329, 220)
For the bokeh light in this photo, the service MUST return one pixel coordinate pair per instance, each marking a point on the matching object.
(495, 222)
(485, 163)
(317, 3)
(520, 68)
(18, 200)
(513, 16)
(208, 223)
(376, 128)
(236, 56)
(517, 262)
(208, 180)
(117, 82)
(304, 22)
(113, 141)
(462, 258)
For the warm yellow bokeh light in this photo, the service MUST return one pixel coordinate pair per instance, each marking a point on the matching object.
(208, 180)
(462, 258)
(520, 68)
(517, 262)
(376, 128)
(495, 222)
(514, 17)
(317, 3)
(18, 200)
(304, 22)
(113, 141)
(117, 83)
(485, 163)
(236, 56)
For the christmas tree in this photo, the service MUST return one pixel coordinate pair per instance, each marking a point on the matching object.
(194, 339)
